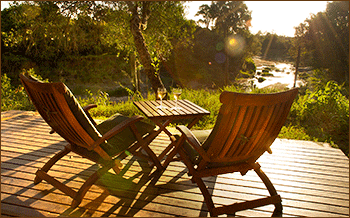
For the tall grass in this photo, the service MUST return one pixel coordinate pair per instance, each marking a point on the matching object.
(319, 115)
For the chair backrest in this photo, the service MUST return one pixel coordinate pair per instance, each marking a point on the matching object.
(59, 108)
(247, 125)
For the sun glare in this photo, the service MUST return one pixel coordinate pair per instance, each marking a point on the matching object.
(234, 45)
(278, 17)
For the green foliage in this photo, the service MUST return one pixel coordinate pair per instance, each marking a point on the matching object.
(202, 64)
(267, 74)
(274, 47)
(49, 34)
(100, 69)
(229, 16)
(248, 68)
(324, 114)
(106, 107)
(324, 41)
(15, 98)
(249, 65)
(261, 79)
(294, 132)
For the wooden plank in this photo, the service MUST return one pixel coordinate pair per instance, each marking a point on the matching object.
(69, 162)
(313, 181)
(21, 163)
(195, 107)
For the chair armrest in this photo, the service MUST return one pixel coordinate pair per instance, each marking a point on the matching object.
(193, 141)
(86, 110)
(117, 129)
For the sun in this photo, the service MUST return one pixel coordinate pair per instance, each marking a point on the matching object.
(232, 42)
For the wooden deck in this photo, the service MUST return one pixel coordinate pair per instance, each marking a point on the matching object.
(312, 179)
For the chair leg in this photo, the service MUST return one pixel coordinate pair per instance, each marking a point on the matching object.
(270, 188)
(231, 209)
(41, 174)
(87, 184)
(207, 198)
(51, 162)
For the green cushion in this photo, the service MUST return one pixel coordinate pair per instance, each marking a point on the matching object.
(116, 144)
(78, 112)
(80, 115)
(124, 139)
(201, 136)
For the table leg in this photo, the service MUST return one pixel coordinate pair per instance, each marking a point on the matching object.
(194, 121)
(176, 145)
(171, 155)
(145, 145)
(163, 126)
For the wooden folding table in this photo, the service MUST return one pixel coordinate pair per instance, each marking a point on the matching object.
(162, 117)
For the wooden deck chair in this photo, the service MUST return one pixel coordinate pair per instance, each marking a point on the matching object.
(104, 143)
(246, 126)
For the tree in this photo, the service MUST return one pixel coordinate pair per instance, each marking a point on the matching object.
(326, 40)
(230, 20)
(140, 14)
(154, 26)
(47, 31)
(208, 13)
(274, 46)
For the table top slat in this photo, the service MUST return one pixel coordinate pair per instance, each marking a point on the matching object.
(144, 108)
(188, 109)
(151, 106)
(163, 111)
(197, 108)
(171, 104)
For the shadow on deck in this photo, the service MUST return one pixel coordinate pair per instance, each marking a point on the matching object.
(312, 179)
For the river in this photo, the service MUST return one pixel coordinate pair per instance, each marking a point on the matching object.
(283, 74)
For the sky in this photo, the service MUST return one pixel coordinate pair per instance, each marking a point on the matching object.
(278, 17)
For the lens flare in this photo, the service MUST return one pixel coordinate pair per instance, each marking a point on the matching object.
(220, 57)
(234, 45)
(220, 46)
(232, 42)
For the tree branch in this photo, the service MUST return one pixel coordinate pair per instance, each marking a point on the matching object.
(145, 14)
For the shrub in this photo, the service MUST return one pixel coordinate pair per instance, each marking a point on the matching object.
(15, 98)
(249, 66)
(324, 114)
(266, 69)
(261, 79)
(266, 74)
(294, 132)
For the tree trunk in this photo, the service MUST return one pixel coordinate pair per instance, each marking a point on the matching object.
(297, 68)
(142, 50)
(134, 72)
(227, 62)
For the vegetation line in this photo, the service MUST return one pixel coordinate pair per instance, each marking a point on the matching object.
(108, 49)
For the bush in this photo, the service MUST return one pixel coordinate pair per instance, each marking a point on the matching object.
(324, 114)
(266, 74)
(15, 98)
(261, 79)
(266, 70)
(320, 115)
